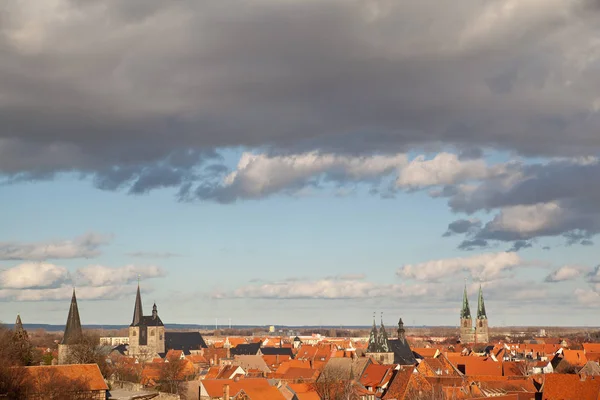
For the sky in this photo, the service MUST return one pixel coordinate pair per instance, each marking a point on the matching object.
(300, 162)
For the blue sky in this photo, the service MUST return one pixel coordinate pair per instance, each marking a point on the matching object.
(300, 162)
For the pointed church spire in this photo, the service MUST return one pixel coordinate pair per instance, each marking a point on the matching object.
(481, 306)
(466, 311)
(18, 324)
(384, 345)
(137, 310)
(401, 331)
(73, 328)
(373, 338)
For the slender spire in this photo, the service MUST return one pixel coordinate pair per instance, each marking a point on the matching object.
(481, 306)
(73, 328)
(401, 330)
(466, 311)
(373, 338)
(154, 311)
(18, 324)
(137, 310)
(384, 346)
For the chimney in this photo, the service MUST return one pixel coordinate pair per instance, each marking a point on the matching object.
(225, 392)
(215, 359)
(228, 352)
(277, 359)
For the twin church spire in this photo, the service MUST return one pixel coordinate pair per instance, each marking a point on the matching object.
(468, 334)
(465, 312)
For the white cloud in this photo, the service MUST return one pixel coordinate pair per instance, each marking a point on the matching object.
(33, 275)
(444, 169)
(329, 289)
(85, 246)
(587, 297)
(259, 175)
(565, 273)
(528, 219)
(481, 266)
(99, 275)
(64, 292)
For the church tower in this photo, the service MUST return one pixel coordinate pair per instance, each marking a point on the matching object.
(481, 325)
(146, 333)
(73, 332)
(384, 345)
(373, 338)
(466, 322)
(379, 347)
(20, 332)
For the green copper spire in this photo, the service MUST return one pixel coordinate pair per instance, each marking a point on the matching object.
(466, 311)
(373, 338)
(481, 306)
(384, 345)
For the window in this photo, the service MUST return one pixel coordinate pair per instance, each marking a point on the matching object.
(152, 333)
(134, 333)
(160, 336)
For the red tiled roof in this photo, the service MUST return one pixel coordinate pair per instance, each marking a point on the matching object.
(403, 381)
(300, 373)
(575, 357)
(477, 365)
(214, 387)
(88, 374)
(570, 387)
(374, 375)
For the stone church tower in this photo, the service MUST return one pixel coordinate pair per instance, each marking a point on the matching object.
(481, 324)
(379, 345)
(146, 333)
(467, 335)
(73, 332)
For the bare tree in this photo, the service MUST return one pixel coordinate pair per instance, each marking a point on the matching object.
(51, 385)
(171, 375)
(334, 383)
(87, 350)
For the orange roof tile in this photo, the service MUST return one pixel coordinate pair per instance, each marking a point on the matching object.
(403, 382)
(300, 373)
(375, 374)
(591, 347)
(477, 365)
(88, 374)
(567, 387)
(214, 387)
(575, 357)
(292, 364)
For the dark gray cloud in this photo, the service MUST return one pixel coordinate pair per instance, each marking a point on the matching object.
(463, 226)
(520, 244)
(555, 198)
(473, 244)
(366, 76)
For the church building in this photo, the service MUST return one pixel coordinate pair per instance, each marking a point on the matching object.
(468, 333)
(146, 332)
(73, 332)
(148, 337)
(389, 351)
